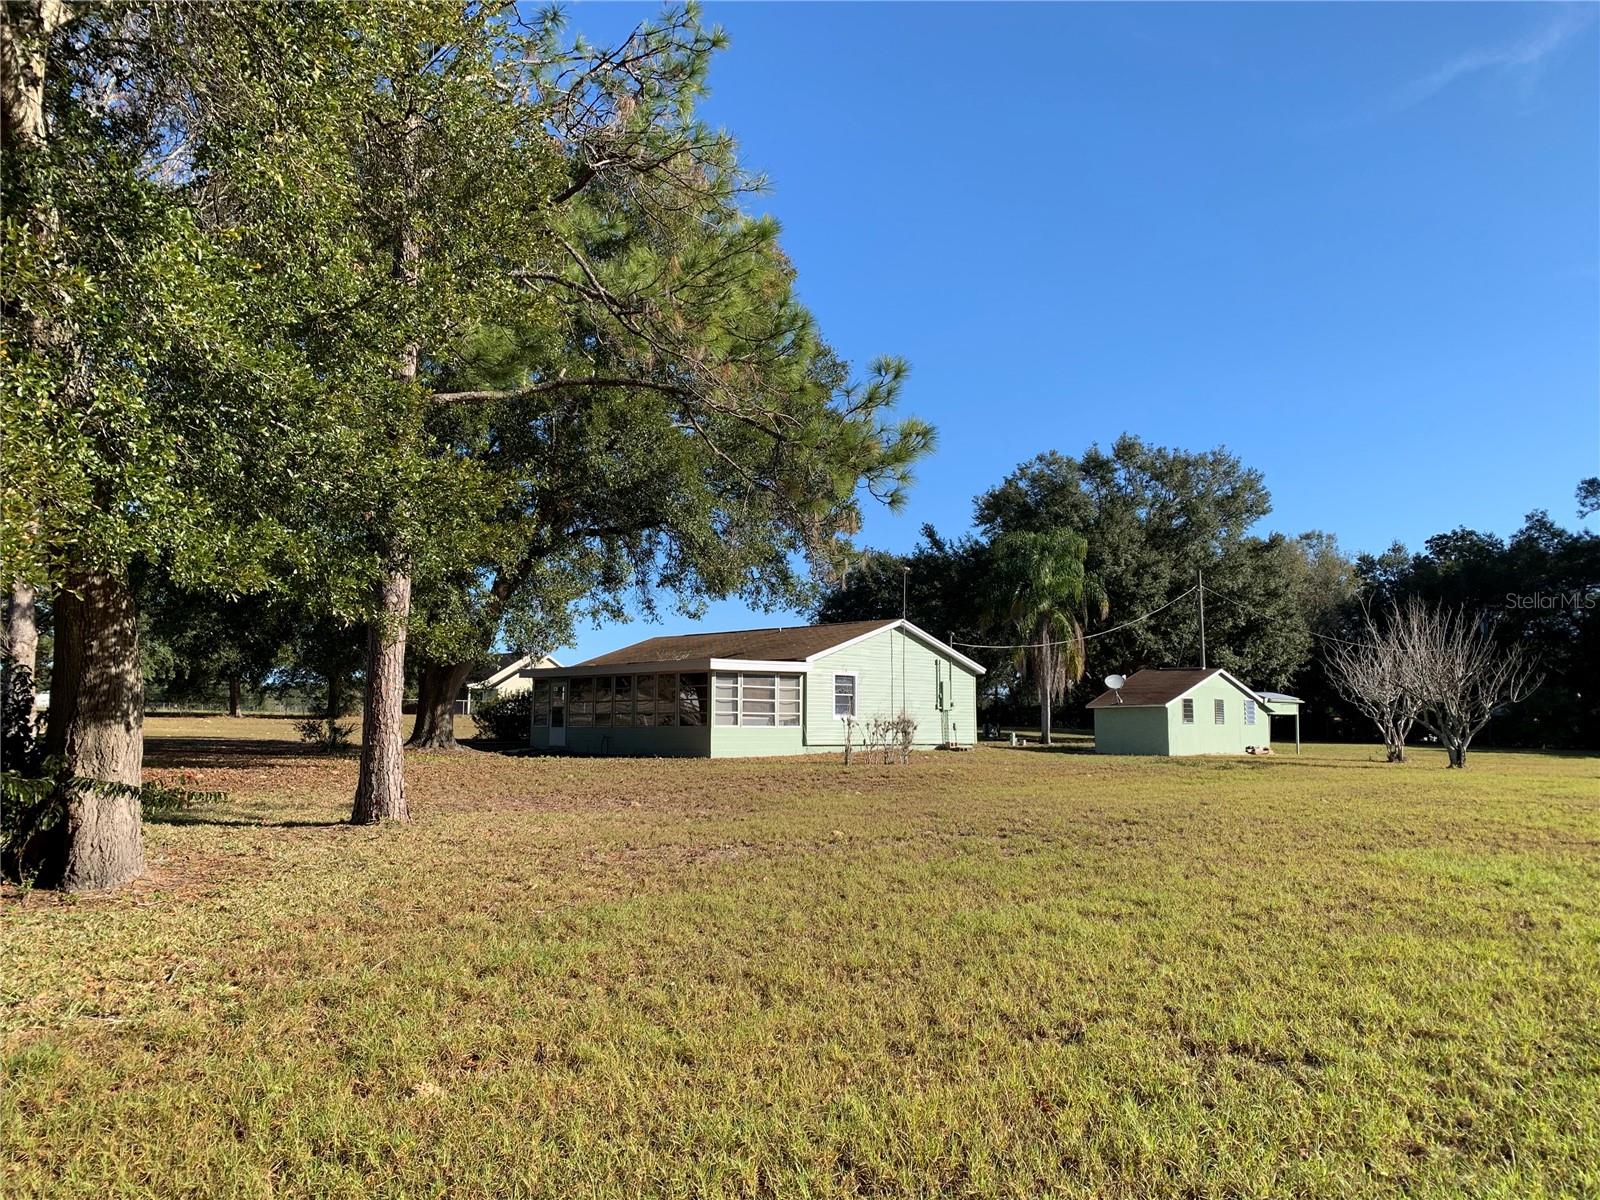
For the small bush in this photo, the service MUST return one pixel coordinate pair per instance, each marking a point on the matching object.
(319, 731)
(506, 717)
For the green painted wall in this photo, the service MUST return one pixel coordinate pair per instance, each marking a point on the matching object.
(1130, 730)
(895, 672)
(671, 741)
(757, 741)
(1205, 736)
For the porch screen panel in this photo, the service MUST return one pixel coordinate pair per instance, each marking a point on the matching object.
(666, 699)
(580, 714)
(644, 700)
(622, 701)
(694, 697)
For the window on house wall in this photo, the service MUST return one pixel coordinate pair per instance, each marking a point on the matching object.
(694, 697)
(758, 700)
(541, 703)
(602, 700)
(666, 700)
(622, 701)
(1219, 711)
(726, 700)
(844, 696)
(1188, 712)
(580, 714)
(789, 701)
(1249, 712)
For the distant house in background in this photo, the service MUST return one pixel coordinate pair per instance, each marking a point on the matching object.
(506, 678)
(756, 692)
(1181, 712)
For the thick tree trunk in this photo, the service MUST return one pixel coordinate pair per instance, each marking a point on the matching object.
(1044, 715)
(381, 790)
(97, 730)
(1456, 755)
(439, 685)
(233, 699)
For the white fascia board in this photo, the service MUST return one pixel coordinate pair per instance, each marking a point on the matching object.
(504, 673)
(633, 668)
(921, 635)
(784, 666)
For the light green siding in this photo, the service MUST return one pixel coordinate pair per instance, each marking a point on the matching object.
(1205, 736)
(1125, 729)
(756, 741)
(895, 672)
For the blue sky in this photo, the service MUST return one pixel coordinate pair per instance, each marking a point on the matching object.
(1357, 244)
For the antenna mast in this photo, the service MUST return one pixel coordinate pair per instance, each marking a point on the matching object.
(1202, 585)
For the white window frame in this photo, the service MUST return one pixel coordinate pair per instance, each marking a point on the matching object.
(1249, 712)
(1219, 711)
(1188, 712)
(791, 690)
(738, 692)
(855, 695)
(758, 718)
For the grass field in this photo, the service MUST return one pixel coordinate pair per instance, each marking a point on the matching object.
(1003, 973)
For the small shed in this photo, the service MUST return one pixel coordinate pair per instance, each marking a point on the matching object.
(753, 692)
(1180, 712)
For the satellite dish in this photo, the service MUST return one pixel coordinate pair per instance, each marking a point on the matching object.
(1115, 682)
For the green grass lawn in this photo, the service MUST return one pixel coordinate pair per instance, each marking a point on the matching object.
(1002, 973)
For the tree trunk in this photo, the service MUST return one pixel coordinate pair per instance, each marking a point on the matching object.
(233, 699)
(335, 701)
(1396, 752)
(97, 730)
(1044, 714)
(437, 690)
(22, 628)
(381, 790)
(1456, 755)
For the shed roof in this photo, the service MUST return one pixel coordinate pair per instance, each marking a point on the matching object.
(1158, 688)
(794, 643)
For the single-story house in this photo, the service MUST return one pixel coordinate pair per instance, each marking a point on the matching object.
(1175, 712)
(506, 679)
(795, 690)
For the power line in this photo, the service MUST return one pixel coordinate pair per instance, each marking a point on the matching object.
(1086, 637)
(1324, 636)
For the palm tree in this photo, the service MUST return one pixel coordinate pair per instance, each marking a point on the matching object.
(1046, 596)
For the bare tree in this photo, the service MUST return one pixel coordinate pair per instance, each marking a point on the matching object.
(1458, 672)
(1370, 673)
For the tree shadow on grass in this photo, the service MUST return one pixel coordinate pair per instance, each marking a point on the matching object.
(179, 818)
(171, 753)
